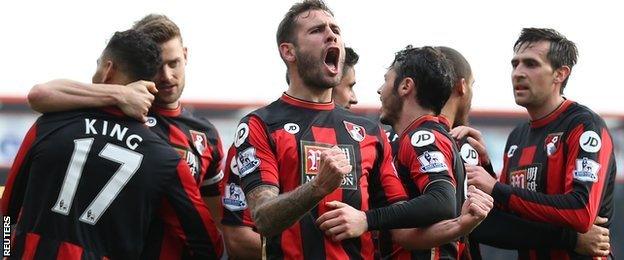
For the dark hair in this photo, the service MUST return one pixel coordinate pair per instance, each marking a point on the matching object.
(351, 58)
(461, 67)
(286, 28)
(137, 55)
(562, 51)
(158, 27)
(431, 71)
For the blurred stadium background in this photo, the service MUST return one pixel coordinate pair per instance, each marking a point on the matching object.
(16, 117)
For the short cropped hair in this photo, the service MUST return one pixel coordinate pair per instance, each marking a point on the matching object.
(159, 27)
(136, 54)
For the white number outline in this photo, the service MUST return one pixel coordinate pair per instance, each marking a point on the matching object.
(130, 162)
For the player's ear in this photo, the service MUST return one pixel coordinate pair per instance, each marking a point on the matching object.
(108, 71)
(461, 87)
(406, 86)
(287, 51)
(562, 73)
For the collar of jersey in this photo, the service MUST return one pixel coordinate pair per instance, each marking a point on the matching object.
(445, 121)
(168, 112)
(419, 121)
(552, 116)
(306, 104)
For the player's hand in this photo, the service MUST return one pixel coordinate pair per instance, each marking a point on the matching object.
(476, 207)
(475, 139)
(595, 242)
(333, 166)
(343, 222)
(480, 178)
(136, 99)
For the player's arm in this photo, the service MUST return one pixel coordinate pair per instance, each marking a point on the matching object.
(474, 210)
(184, 205)
(62, 94)
(15, 186)
(257, 165)
(524, 234)
(587, 168)
(429, 167)
(242, 242)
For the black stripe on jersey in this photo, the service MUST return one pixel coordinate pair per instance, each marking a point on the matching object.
(311, 237)
(353, 246)
(190, 222)
(273, 248)
(46, 249)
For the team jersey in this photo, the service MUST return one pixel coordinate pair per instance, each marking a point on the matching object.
(235, 211)
(559, 170)
(197, 142)
(280, 145)
(87, 184)
(426, 153)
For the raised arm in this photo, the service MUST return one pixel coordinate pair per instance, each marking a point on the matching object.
(133, 99)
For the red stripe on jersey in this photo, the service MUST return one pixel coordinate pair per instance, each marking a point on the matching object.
(502, 177)
(268, 161)
(28, 141)
(192, 193)
(291, 241)
(288, 146)
(333, 250)
(171, 245)
(69, 251)
(559, 254)
(572, 144)
(177, 137)
(527, 155)
(390, 182)
(533, 255)
(557, 181)
(436, 253)
(30, 246)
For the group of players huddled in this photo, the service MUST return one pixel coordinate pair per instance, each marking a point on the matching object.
(117, 169)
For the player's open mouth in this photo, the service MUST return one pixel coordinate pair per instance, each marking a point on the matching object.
(332, 56)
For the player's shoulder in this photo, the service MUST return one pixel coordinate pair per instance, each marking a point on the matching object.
(580, 114)
(424, 135)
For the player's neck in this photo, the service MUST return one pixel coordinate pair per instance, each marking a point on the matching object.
(542, 110)
(300, 90)
(169, 106)
(409, 114)
(449, 112)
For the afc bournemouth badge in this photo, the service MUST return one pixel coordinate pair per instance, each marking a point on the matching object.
(355, 131)
(199, 141)
(552, 143)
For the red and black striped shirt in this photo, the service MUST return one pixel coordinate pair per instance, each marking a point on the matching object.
(280, 145)
(88, 184)
(559, 170)
(426, 153)
(198, 143)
